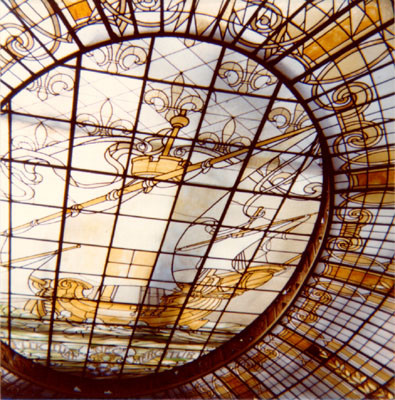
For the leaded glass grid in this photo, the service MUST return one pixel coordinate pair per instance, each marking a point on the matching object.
(281, 113)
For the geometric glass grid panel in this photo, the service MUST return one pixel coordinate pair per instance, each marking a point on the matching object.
(163, 192)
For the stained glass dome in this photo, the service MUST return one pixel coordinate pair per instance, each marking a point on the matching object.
(197, 198)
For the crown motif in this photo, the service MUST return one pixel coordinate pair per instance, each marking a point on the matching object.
(151, 167)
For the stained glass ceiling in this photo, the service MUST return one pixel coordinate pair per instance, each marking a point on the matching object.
(197, 198)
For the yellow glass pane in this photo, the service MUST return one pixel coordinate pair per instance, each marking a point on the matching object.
(78, 8)
(121, 255)
(115, 269)
(144, 258)
(138, 271)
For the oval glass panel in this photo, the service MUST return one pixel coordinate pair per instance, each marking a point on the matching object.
(163, 193)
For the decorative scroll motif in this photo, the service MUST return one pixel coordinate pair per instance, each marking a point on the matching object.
(349, 103)
(248, 79)
(287, 120)
(118, 58)
(21, 43)
(31, 149)
(51, 84)
(143, 13)
(120, 13)
(349, 236)
(18, 44)
(180, 99)
(307, 311)
(354, 283)
(266, 19)
(105, 124)
(348, 282)
(268, 352)
(147, 15)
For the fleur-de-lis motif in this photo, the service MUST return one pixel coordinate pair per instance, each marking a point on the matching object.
(32, 150)
(118, 57)
(51, 84)
(285, 119)
(246, 79)
(179, 100)
(105, 124)
(227, 141)
(38, 142)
